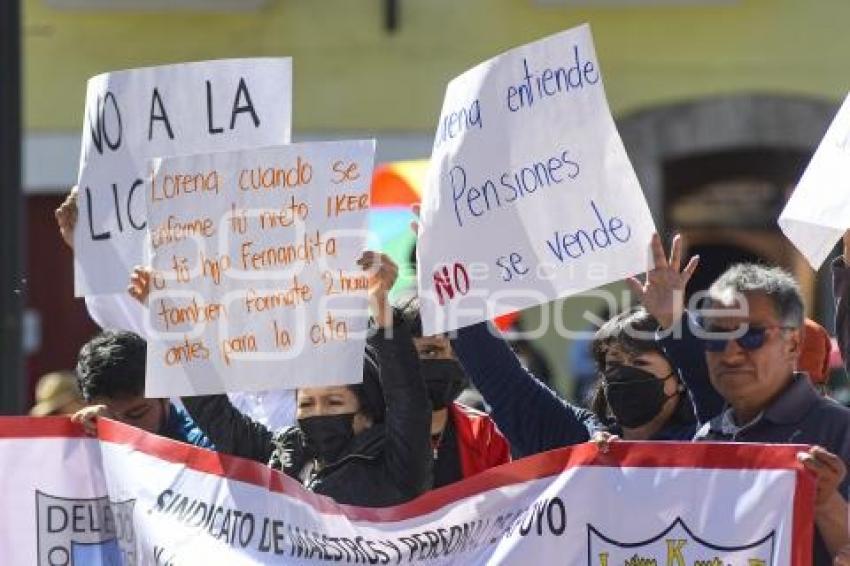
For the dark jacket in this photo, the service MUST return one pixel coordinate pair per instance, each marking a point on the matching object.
(800, 415)
(686, 353)
(841, 293)
(530, 415)
(387, 464)
(180, 426)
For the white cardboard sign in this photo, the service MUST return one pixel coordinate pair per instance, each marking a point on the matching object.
(530, 194)
(131, 116)
(254, 283)
(818, 212)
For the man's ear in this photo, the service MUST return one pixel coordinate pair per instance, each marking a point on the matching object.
(794, 342)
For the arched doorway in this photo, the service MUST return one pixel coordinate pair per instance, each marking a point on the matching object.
(719, 171)
(714, 260)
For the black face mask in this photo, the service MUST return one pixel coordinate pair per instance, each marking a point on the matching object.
(444, 379)
(634, 395)
(328, 435)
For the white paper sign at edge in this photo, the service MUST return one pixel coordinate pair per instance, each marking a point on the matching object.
(197, 107)
(267, 272)
(818, 212)
(570, 132)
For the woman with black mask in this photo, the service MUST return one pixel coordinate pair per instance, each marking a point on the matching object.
(464, 441)
(641, 395)
(365, 444)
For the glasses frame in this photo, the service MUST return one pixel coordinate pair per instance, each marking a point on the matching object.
(750, 340)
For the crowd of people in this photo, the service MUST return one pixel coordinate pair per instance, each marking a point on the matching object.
(748, 368)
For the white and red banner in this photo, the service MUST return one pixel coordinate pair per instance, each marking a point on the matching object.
(134, 498)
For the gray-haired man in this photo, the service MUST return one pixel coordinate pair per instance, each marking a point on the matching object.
(754, 369)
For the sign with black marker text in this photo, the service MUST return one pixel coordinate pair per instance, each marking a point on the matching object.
(131, 116)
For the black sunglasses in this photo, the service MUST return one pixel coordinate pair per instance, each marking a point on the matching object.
(752, 339)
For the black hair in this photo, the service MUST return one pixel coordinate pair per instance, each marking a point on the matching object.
(633, 333)
(112, 365)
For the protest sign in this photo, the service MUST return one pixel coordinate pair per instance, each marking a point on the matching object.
(136, 498)
(530, 195)
(254, 279)
(818, 212)
(131, 116)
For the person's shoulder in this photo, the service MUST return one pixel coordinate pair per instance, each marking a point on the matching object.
(184, 428)
(826, 407)
(179, 418)
(469, 412)
(473, 422)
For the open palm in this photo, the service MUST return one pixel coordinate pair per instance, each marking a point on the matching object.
(663, 292)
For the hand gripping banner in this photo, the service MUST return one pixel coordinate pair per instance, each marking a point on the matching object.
(133, 498)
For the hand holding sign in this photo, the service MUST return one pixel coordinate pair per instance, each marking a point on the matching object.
(383, 273)
(66, 217)
(254, 282)
(140, 284)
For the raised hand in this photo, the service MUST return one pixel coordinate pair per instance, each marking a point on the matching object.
(663, 292)
(66, 217)
(383, 273)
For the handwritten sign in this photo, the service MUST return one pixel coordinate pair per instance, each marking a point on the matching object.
(131, 116)
(530, 195)
(818, 212)
(254, 282)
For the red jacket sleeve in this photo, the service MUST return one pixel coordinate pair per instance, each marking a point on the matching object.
(480, 443)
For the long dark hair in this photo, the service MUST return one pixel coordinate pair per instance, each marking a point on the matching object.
(633, 333)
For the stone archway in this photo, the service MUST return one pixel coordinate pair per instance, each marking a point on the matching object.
(732, 145)
(656, 135)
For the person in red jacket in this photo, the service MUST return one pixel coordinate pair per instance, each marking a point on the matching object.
(465, 441)
(815, 355)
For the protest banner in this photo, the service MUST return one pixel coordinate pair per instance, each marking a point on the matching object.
(131, 116)
(530, 194)
(135, 498)
(818, 212)
(254, 278)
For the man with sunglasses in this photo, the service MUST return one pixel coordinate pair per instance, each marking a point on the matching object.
(751, 336)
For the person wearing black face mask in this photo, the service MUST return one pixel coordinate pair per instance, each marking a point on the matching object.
(464, 441)
(634, 395)
(639, 395)
(365, 444)
(533, 418)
